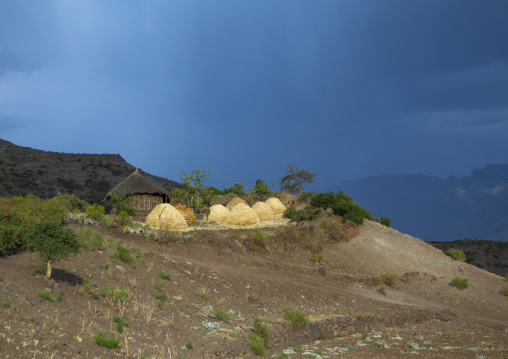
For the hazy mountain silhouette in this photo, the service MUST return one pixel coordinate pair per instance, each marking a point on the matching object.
(436, 209)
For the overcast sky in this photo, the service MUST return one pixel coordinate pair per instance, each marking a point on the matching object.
(345, 89)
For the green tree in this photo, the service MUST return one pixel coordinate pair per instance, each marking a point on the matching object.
(194, 185)
(122, 203)
(294, 180)
(236, 189)
(52, 241)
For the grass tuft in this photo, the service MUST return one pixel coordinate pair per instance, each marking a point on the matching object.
(164, 275)
(257, 344)
(106, 342)
(297, 319)
(460, 283)
(45, 295)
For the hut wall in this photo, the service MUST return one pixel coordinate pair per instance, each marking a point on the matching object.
(146, 201)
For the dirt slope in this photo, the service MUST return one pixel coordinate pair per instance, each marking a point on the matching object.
(424, 317)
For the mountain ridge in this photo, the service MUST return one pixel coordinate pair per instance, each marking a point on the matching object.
(437, 209)
(45, 174)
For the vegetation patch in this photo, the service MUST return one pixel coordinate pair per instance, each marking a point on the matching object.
(298, 320)
(164, 275)
(257, 344)
(120, 323)
(222, 315)
(457, 254)
(262, 330)
(106, 342)
(124, 254)
(45, 295)
(460, 283)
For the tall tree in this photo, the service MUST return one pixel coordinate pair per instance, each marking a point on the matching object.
(295, 178)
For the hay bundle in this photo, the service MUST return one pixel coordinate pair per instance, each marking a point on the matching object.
(263, 210)
(234, 202)
(242, 215)
(187, 213)
(165, 216)
(276, 205)
(218, 213)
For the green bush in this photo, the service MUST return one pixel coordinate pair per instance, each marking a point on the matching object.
(323, 200)
(222, 315)
(106, 342)
(117, 295)
(457, 254)
(385, 221)
(120, 323)
(45, 295)
(236, 189)
(257, 344)
(504, 291)
(262, 330)
(124, 254)
(261, 190)
(189, 346)
(390, 279)
(122, 204)
(51, 241)
(257, 237)
(297, 319)
(460, 283)
(95, 212)
(306, 214)
(17, 213)
(334, 231)
(506, 277)
(164, 275)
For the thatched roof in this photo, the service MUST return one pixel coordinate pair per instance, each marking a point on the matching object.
(136, 183)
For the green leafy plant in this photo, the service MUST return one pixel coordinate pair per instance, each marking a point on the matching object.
(95, 212)
(106, 342)
(298, 320)
(45, 295)
(55, 345)
(194, 186)
(120, 323)
(59, 297)
(116, 295)
(382, 289)
(105, 266)
(385, 221)
(222, 315)
(457, 254)
(6, 303)
(236, 189)
(87, 286)
(365, 336)
(158, 286)
(460, 283)
(122, 204)
(390, 279)
(282, 355)
(261, 190)
(506, 277)
(189, 346)
(257, 344)
(164, 275)
(51, 241)
(316, 258)
(262, 330)
(124, 254)
(504, 291)
(306, 214)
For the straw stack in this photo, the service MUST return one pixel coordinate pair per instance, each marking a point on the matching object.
(234, 202)
(263, 210)
(187, 213)
(242, 215)
(276, 205)
(218, 213)
(165, 216)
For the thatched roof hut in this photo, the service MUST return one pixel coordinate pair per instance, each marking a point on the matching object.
(145, 195)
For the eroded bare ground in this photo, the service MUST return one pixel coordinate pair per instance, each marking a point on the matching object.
(424, 317)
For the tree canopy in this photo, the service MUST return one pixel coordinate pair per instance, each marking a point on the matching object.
(295, 178)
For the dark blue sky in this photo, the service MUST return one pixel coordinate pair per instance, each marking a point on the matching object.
(345, 89)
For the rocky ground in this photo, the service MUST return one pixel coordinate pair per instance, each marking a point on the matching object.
(170, 294)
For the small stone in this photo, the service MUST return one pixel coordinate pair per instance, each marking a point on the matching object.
(322, 271)
(51, 282)
(228, 251)
(57, 290)
(221, 252)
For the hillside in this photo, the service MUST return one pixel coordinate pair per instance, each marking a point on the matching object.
(349, 314)
(436, 209)
(90, 176)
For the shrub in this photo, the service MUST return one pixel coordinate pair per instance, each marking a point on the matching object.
(355, 215)
(297, 319)
(323, 200)
(391, 280)
(222, 315)
(257, 237)
(95, 212)
(236, 189)
(51, 241)
(504, 291)
(189, 346)
(106, 342)
(460, 283)
(262, 330)
(120, 323)
(59, 297)
(117, 295)
(87, 286)
(306, 214)
(334, 231)
(261, 190)
(385, 221)
(457, 254)
(316, 258)
(506, 277)
(382, 289)
(122, 204)
(124, 254)
(6, 303)
(45, 295)
(257, 344)
(164, 275)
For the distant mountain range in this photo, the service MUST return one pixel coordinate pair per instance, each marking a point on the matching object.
(436, 209)
(90, 176)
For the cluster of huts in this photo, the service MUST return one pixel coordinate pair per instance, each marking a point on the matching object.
(153, 200)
